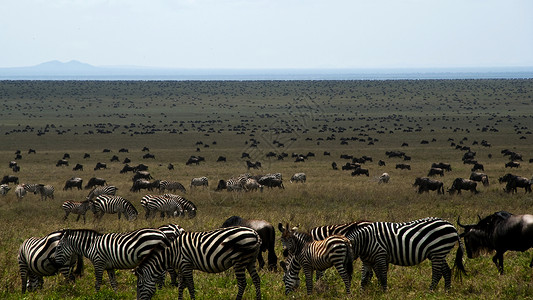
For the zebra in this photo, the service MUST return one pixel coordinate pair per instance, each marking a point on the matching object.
(251, 185)
(384, 178)
(298, 177)
(212, 252)
(306, 253)
(163, 204)
(4, 188)
(79, 208)
(112, 205)
(170, 186)
(186, 205)
(20, 191)
(46, 191)
(172, 231)
(109, 251)
(34, 258)
(201, 181)
(406, 244)
(110, 190)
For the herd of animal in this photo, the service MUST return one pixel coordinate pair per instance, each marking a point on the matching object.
(239, 242)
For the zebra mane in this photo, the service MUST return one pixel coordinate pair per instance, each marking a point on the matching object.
(304, 236)
(70, 231)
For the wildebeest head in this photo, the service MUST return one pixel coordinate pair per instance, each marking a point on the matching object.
(479, 237)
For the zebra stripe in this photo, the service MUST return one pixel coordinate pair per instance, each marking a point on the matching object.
(202, 181)
(298, 177)
(212, 252)
(4, 188)
(113, 204)
(312, 255)
(186, 205)
(170, 186)
(46, 191)
(31, 187)
(406, 244)
(20, 191)
(109, 251)
(79, 208)
(165, 205)
(34, 258)
(102, 190)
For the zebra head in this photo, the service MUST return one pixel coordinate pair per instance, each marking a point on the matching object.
(288, 240)
(63, 251)
(291, 269)
(150, 271)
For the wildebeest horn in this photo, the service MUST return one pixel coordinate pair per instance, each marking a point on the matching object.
(459, 223)
(479, 217)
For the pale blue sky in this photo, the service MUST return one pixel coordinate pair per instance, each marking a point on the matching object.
(268, 33)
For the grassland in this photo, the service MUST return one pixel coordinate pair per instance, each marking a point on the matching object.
(171, 118)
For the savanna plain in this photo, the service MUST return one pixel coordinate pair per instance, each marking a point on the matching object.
(430, 120)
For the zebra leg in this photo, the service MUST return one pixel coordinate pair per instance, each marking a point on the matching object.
(308, 272)
(66, 215)
(381, 267)
(112, 279)
(78, 218)
(98, 274)
(174, 276)
(241, 280)
(344, 275)
(255, 279)
(23, 277)
(366, 274)
(186, 279)
(438, 268)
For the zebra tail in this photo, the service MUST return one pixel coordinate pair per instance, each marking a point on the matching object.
(458, 264)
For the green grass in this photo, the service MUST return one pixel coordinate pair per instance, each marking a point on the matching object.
(388, 113)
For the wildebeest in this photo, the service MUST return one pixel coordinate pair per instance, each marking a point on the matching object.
(477, 167)
(127, 168)
(221, 159)
(426, 184)
(514, 182)
(268, 237)
(94, 181)
(78, 167)
(114, 158)
(142, 175)
(193, 160)
(403, 166)
(512, 164)
(435, 171)
(73, 182)
(384, 178)
(62, 162)
(148, 155)
(350, 166)
(480, 177)
(100, 165)
(463, 184)
(500, 232)
(381, 163)
(140, 184)
(360, 171)
(334, 166)
(9, 178)
(251, 165)
(271, 182)
(441, 165)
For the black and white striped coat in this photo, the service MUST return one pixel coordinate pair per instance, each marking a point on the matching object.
(34, 261)
(188, 207)
(171, 186)
(201, 181)
(159, 203)
(212, 252)
(46, 191)
(109, 251)
(298, 177)
(20, 191)
(112, 205)
(310, 255)
(4, 188)
(102, 190)
(75, 207)
(406, 244)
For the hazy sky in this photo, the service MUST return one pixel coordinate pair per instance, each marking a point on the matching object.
(268, 33)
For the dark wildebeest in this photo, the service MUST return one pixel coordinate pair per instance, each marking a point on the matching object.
(140, 184)
(62, 162)
(221, 159)
(127, 168)
(436, 171)
(360, 171)
(192, 160)
(441, 165)
(381, 163)
(73, 182)
(170, 166)
(403, 166)
(142, 175)
(480, 177)
(268, 237)
(148, 155)
(463, 184)
(94, 182)
(9, 178)
(245, 155)
(426, 184)
(114, 158)
(271, 182)
(514, 182)
(141, 167)
(500, 232)
(252, 165)
(66, 155)
(78, 167)
(477, 167)
(86, 155)
(334, 166)
(350, 166)
(512, 164)
(100, 165)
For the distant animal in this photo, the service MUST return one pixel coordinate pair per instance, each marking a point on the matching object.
(94, 181)
(334, 166)
(9, 179)
(62, 162)
(171, 186)
(148, 155)
(73, 182)
(141, 175)
(360, 171)
(435, 171)
(127, 168)
(381, 163)
(170, 167)
(75, 207)
(78, 167)
(441, 165)
(110, 190)
(384, 178)
(480, 177)
(502, 231)
(142, 183)
(512, 164)
(251, 184)
(113, 205)
(188, 207)
(4, 188)
(403, 166)
(271, 182)
(478, 167)
(221, 159)
(463, 184)
(426, 184)
(154, 204)
(298, 177)
(114, 158)
(20, 191)
(514, 182)
(251, 165)
(46, 191)
(201, 181)
(268, 237)
(100, 165)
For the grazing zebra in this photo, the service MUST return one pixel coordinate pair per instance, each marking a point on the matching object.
(112, 205)
(202, 181)
(171, 186)
(384, 178)
(20, 191)
(252, 185)
(212, 252)
(4, 188)
(109, 251)
(186, 205)
(110, 190)
(34, 261)
(335, 250)
(406, 244)
(165, 205)
(79, 208)
(46, 191)
(298, 177)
